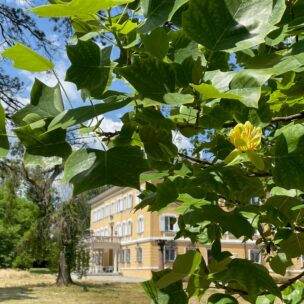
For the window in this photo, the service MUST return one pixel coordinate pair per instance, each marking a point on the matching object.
(118, 229)
(120, 202)
(112, 209)
(130, 201)
(140, 224)
(125, 207)
(127, 255)
(255, 256)
(123, 229)
(170, 254)
(168, 223)
(139, 255)
(129, 228)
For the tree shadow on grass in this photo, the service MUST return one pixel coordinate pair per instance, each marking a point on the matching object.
(18, 292)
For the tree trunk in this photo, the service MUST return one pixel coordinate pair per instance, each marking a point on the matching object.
(64, 275)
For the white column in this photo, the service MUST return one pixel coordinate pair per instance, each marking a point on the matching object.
(115, 258)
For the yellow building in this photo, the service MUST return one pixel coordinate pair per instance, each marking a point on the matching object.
(136, 243)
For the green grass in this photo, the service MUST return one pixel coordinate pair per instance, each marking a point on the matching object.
(41, 271)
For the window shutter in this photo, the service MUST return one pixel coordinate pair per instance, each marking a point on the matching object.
(175, 227)
(138, 200)
(162, 223)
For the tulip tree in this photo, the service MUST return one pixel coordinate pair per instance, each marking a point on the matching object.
(226, 74)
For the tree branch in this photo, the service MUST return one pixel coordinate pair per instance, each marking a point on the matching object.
(291, 281)
(196, 160)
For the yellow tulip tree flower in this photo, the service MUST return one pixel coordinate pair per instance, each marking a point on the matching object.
(246, 138)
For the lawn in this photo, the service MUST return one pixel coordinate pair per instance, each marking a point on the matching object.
(21, 287)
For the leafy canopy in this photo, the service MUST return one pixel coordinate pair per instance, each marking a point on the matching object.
(228, 76)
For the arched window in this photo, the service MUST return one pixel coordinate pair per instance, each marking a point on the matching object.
(123, 228)
(130, 201)
(129, 227)
(140, 224)
(118, 229)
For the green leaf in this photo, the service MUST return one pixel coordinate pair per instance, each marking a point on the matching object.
(157, 12)
(156, 43)
(294, 294)
(163, 195)
(79, 115)
(174, 99)
(184, 265)
(39, 142)
(4, 144)
(247, 84)
(182, 47)
(232, 221)
(258, 281)
(46, 102)
(76, 8)
(229, 25)
(231, 182)
(232, 156)
(280, 263)
(26, 59)
(91, 67)
(256, 160)
(284, 208)
(151, 176)
(289, 157)
(219, 298)
(155, 132)
(173, 294)
(151, 77)
(88, 168)
(268, 299)
(210, 91)
(293, 247)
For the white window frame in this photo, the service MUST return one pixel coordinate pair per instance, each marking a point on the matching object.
(164, 223)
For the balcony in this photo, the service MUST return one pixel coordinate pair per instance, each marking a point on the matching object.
(103, 242)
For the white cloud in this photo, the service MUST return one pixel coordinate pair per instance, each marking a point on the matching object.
(109, 125)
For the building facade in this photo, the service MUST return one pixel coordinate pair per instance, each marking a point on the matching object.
(134, 243)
